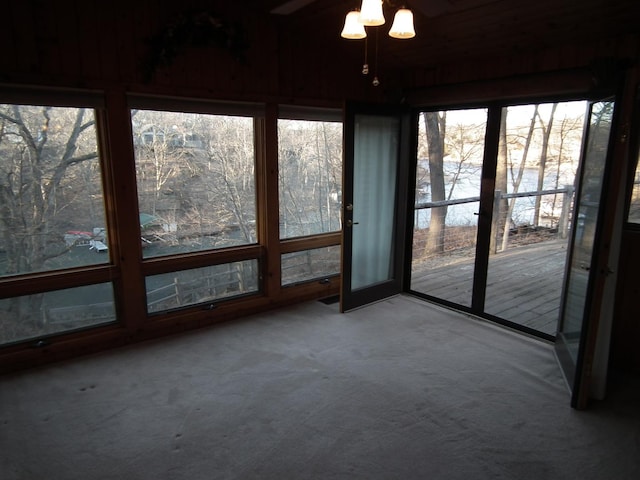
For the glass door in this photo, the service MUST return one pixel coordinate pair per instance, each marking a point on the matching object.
(494, 190)
(538, 156)
(579, 279)
(376, 152)
(451, 149)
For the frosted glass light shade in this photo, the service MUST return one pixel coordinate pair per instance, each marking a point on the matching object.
(352, 27)
(402, 24)
(371, 13)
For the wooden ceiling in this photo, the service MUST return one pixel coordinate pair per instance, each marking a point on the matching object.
(457, 30)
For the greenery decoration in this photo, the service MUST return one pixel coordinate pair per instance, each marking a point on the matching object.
(197, 29)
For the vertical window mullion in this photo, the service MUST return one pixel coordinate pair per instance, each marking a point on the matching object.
(123, 209)
(269, 206)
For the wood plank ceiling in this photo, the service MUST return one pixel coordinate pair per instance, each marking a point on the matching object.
(462, 29)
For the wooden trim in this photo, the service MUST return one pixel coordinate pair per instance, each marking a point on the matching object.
(46, 281)
(614, 181)
(297, 112)
(308, 243)
(195, 105)
(159, 265)
(122, 209)
(570, 84)
(54, 96)
(268, 198)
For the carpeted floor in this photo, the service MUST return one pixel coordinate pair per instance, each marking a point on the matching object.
(396, 390)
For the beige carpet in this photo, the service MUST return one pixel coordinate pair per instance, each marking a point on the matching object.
(397, 390)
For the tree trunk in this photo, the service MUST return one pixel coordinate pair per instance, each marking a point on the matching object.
(516, 183)
(500, 223)
(543, 161)
(435, 140)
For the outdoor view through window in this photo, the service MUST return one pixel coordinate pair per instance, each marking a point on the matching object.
(537, 162)
(310, 182)
(51, 217)
(196, 192)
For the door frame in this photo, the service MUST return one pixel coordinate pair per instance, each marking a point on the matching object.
(407, 141)
(596, 327)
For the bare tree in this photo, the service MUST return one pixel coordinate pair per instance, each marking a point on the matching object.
(40, 146)
(41, 149)
(569, 132)
(310, 166)
(517, 179)
(464, 142)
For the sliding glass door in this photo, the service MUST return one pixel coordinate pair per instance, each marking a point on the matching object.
(493, 209)
(448, 181)
(571, 340)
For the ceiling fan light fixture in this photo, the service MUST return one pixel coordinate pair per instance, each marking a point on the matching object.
(371, 14)
(353, 29)
(402, 24)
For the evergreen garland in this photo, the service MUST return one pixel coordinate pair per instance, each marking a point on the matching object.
(199, 29)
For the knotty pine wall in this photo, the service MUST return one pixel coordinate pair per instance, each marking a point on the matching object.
(105, 45)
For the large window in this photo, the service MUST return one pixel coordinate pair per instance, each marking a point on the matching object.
(126, 213)
(310, 174)
(196, 181)
(310, 191)
(52, 221)
(51, 201)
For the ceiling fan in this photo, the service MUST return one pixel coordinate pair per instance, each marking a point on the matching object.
(429, 8)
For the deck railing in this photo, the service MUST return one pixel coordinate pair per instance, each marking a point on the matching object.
(563, 218)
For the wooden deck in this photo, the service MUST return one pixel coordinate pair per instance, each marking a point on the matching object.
(524, 284)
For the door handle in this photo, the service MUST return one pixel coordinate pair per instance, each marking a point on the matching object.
(351, 223)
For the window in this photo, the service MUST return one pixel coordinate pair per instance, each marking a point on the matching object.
(47, 313)
(51, 201)
(196, 181)
(310, 176)
(313, 264)
(52, 220)
(525, 189)
(201, 285)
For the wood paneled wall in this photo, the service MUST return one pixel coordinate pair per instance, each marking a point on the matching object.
(105, 45)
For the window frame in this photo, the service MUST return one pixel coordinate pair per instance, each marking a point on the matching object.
(40, 282)
(319, 240)
(159, 265)
(634, 163)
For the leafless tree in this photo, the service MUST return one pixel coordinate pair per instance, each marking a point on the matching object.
(46, 172)
(310, 169)
(41, 150)
(517, 176)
